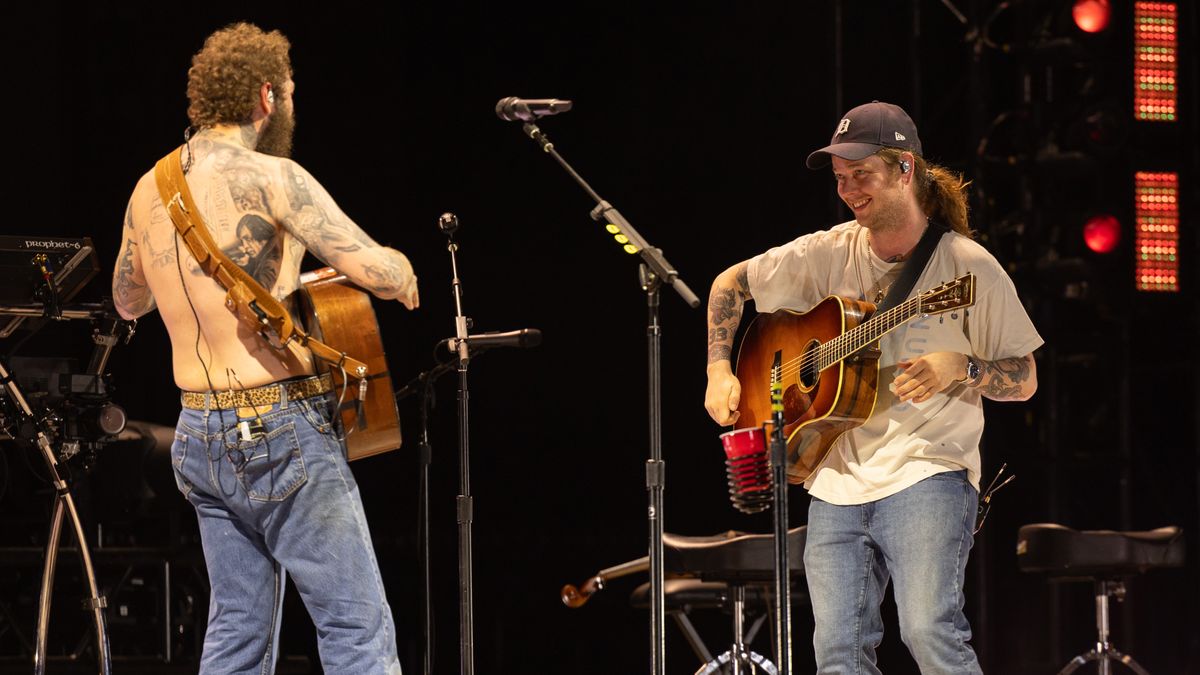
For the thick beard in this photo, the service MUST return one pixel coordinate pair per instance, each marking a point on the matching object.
(276, 137)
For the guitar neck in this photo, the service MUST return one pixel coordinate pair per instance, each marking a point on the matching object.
(849, 343)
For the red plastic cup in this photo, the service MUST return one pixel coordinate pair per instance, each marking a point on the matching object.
(742, 442)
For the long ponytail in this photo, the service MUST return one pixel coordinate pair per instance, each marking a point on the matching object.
(941, 193)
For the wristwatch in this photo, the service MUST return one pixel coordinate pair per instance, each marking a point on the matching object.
(974, 370)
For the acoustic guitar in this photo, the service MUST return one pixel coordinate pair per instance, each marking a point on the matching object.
(339, 313)
(829, 368)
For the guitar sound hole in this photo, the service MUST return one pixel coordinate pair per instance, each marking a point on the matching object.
(808, 366)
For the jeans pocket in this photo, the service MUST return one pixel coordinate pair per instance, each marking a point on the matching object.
(317, 414)
(273, 467)
(179, 451)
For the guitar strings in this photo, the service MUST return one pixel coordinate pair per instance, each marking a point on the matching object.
(842, 346)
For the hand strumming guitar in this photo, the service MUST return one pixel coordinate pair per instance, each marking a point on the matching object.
(929, 374)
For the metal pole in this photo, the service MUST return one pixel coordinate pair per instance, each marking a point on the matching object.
(655, 477)
(466, 601)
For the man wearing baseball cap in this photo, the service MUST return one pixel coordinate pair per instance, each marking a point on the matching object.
(896, 498)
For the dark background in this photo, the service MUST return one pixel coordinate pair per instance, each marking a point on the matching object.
(695, 123)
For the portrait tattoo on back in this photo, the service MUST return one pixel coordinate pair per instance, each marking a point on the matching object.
(257, 249)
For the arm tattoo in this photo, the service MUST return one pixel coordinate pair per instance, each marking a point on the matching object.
(296, 188)
(130, 292)
(1005, 379)
(322, 229)
(724, 305)
(719, 344)
(127, 289)
(384, 279)
(725, 312)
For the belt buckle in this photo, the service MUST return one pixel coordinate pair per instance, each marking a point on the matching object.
(247, 412)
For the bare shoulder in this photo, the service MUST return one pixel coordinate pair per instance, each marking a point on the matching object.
(145, 193)
(300, 187)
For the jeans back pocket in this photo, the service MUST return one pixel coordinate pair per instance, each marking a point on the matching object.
(179, 451)
(271, 466)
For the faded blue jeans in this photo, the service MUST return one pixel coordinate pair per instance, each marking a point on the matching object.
(275, 500)
(919, 538)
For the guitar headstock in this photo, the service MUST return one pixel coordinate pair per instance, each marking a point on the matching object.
(955, 294)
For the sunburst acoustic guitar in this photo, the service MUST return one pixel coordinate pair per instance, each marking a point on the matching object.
(829, 366)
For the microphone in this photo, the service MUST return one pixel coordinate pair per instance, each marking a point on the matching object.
(448, 223)
(523, 338)
(513, 109)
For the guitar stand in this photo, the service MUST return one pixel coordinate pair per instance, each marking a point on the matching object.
(63, 503)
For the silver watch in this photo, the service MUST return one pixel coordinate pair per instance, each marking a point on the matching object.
(974, 371)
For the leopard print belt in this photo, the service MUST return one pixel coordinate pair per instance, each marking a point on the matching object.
(267, 394)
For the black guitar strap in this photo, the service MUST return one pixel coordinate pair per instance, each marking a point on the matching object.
(913, 267)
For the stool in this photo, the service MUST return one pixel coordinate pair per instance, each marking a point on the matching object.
(728, 569)
(1104, 557)
(683, 595)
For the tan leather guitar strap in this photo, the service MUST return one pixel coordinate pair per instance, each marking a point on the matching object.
(254, 305)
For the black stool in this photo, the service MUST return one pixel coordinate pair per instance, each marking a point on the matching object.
(1104, 557)
(730, 570)
(683, 595)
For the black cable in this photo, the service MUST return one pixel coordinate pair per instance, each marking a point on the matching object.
(212, 391)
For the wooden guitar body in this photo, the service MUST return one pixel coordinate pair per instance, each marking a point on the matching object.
(818, 406)
(339, 313)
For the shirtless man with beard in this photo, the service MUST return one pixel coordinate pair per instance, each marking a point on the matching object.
(255, 451)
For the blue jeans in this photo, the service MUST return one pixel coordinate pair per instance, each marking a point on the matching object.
(920, 537)
(274, 496)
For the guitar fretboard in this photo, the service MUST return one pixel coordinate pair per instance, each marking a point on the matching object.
(846, 344)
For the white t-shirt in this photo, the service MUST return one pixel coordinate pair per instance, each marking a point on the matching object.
(901, 443)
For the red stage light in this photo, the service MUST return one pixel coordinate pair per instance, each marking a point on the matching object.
(1102, 233)
(1155, 47)
(1091, 16)
(1156, 239)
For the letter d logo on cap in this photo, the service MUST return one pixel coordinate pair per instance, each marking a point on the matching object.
(843, 127)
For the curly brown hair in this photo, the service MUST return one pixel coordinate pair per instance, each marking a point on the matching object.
(226, 74)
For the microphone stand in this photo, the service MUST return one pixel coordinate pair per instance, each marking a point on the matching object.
(423, 383)
(779, 481)
(653, 272)
(464, 502)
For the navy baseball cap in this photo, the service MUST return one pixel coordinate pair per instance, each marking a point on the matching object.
(866, 130)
